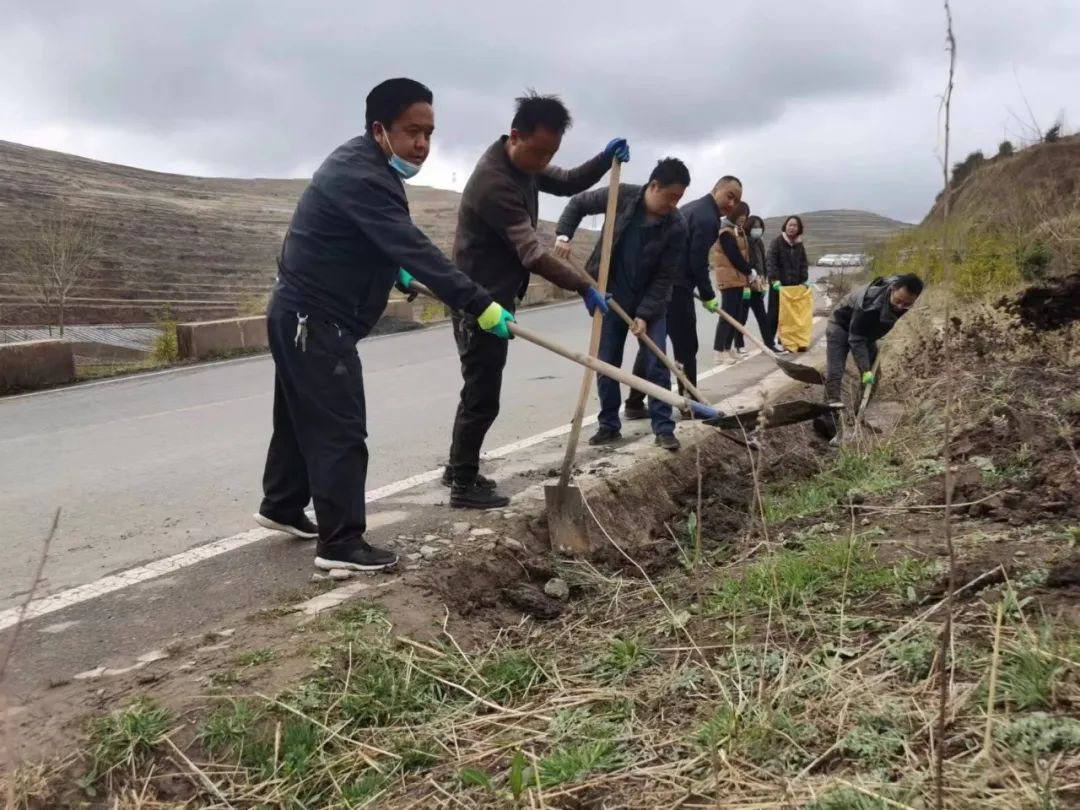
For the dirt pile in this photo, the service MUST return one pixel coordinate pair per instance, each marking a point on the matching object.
(1054, 305)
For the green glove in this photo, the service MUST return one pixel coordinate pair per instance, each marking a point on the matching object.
(746, 293)
(711, 305)
(405, 278)
(494, 320)
(868, 378)
(776, 285)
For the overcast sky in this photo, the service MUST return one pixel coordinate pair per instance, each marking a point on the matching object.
(815, 104)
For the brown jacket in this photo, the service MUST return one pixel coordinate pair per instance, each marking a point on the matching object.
(724, 269)
(496, 244)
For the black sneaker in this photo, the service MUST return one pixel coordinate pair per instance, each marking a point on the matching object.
(300, 526)
(668, 442)
(475, 496)
(482, 481)
(605, 436)
(361, 557)
(635, 410)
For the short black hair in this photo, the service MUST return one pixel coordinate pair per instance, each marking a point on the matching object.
(389, 99)
(535, 111)
(741, 209)
(910, 282)
(670, 171)
(797, 219)
(727, 178)
(755, 221)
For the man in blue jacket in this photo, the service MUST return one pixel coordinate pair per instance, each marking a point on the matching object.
(349, 235)
(702, 228)
(648, 243)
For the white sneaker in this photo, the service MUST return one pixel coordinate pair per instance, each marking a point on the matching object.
(735, 358)
(722, 358)
(743, 352)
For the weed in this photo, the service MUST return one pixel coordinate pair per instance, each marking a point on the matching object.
(852, 799)
(874, 741)
(1029, 671)
(624, 658)
(851, 474)
(254, 658)
(512, 674)
(127, 738)
(574, 763)
(229, 727)
(1039, 734)
(166, 346)
(913, 656)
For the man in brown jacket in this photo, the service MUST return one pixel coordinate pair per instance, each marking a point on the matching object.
(497, 246)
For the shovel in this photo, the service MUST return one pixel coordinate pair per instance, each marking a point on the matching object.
(650, 344)
(797, 371)
(567, 526)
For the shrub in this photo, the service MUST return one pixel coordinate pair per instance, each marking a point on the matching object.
(166, 349)
(1005, 149)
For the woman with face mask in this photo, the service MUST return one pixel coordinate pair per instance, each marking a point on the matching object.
(755, 229)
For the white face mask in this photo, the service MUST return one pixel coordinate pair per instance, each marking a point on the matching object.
(757, 233)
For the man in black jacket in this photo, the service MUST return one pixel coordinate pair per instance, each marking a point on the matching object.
(349, 236)
(862, 318)
(648, 242)
(702, 218)
(496, 245)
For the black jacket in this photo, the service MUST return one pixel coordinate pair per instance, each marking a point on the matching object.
(757, 255)
(866, 316)
(350, 233)
(648, 273)
(496, 243)
(702, 227)
(787, 263)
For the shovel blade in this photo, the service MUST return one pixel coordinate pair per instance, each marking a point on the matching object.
(797, 371)
(568, 524)
(778, 415)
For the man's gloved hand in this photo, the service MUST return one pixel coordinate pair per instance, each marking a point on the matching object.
(746, 293)
(594, 299)
(404, 279)
(711, 305)
(868, 378)
(618, 148)
(494, 320)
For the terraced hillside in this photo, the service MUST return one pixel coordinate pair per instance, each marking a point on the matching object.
(204, 247)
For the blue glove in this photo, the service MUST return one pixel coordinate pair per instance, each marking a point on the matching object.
(593, 299)
(618, 148)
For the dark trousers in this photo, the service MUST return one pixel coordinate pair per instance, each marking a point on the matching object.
(756, 304)
(682, 329)
(318, 450)
(612, 342)
(483, 358)
(731, 301)
(774, 313)
(837, 349)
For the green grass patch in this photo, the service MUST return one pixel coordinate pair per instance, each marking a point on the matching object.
(126, 739)
(851, 474)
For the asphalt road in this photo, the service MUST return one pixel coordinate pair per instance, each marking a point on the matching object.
(150, 466)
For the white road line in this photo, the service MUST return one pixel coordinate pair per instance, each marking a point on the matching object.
(168, 565)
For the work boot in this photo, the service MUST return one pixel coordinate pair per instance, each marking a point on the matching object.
(300, 526)
(358, 557)
(635, 410)
(668, 442)
(482, 481)
(472, 495)
(605, 436)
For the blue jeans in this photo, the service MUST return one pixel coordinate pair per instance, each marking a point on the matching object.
(612, 341)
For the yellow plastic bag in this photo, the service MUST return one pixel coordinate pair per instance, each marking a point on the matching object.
(796, 317)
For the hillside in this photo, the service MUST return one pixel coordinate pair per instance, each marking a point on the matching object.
(202, 246)
(839, 231)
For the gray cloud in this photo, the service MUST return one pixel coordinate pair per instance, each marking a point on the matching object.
(773, 91)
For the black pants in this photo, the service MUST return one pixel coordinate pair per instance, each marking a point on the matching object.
(318, 450)
(837, 349)
(756, 304)
(483, 358)
(731, 301)
(682, 331)
(774, 313)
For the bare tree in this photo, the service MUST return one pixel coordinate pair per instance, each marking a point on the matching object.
(56, 256)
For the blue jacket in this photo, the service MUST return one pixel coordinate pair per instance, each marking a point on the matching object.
(350, 233)
(702, 228)
(641, 278)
